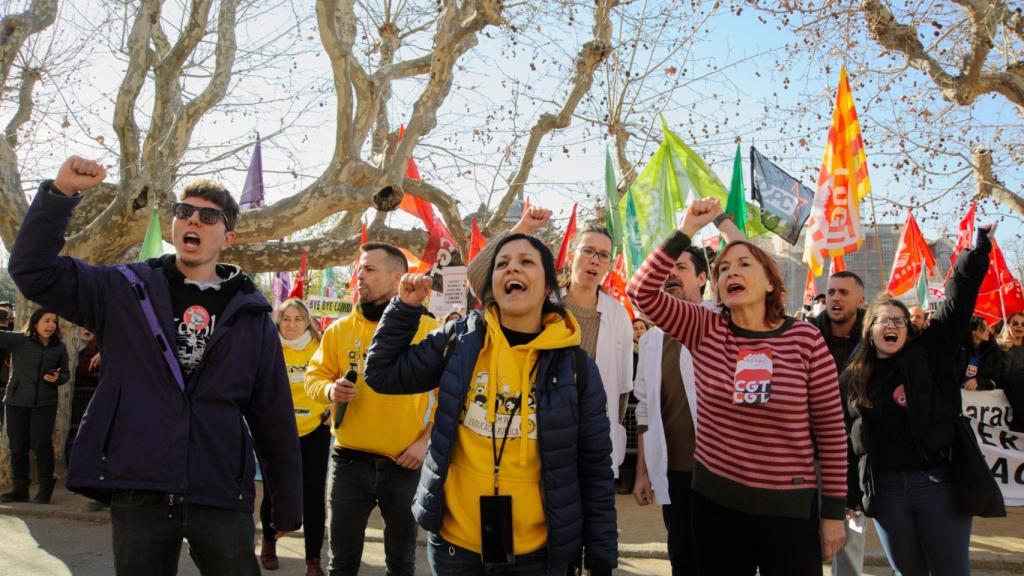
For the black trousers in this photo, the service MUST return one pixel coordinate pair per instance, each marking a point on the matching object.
(31, 429)
(315, 448)
(679, 524)
(733, 543)
(148, 528)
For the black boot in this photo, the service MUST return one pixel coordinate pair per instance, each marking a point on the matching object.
(19, 493)
(45, 491)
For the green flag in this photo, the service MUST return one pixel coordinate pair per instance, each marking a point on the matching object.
(736, 205)
(706, 184)
(613, 219)
(922, 287)
(153, 245)
(631, 241)
(662, 188)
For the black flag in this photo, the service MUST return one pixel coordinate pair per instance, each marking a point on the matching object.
(785, 202)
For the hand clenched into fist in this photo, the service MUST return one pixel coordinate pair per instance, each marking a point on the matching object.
(78, 174)
(533, 218)
(414, 289)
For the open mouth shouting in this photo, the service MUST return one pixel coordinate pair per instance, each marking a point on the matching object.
(514, 286)
(191, 241)
(734, 288)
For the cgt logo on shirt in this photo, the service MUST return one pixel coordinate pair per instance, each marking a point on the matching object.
(753, 380)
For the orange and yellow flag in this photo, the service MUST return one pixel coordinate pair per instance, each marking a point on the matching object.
(833, 228)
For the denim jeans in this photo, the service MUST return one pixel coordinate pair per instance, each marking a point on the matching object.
(148, 528)
(358, 484)
(679, 524)
(919, 525)
(446, 559)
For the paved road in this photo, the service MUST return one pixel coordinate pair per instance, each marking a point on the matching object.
(59, 546)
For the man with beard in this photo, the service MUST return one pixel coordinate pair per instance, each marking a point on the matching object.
(842, 325)
(666, 411)
(380, 440)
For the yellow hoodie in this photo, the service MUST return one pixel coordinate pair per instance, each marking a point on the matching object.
(307, 410)
(500, 378)
(378, 423)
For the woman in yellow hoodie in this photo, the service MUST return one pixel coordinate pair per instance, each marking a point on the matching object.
(517, 478)
(300, 338)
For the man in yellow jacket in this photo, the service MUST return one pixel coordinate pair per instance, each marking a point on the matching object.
(380, 440)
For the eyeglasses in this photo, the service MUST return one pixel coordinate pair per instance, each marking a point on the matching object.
(893, 322)
(208, 216)
(601, 255)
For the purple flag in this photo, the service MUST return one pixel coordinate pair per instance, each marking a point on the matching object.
(252, 192)
(282, 285)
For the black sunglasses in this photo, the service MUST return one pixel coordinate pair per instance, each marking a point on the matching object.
(208, 216)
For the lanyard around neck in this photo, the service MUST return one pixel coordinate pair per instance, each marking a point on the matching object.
(497, 455)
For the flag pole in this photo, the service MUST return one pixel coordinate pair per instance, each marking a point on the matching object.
(878, 242)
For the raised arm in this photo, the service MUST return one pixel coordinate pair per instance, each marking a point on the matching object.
(393, 364)
(682, 320)
(69, 287)
(532, 219)
(951, 322)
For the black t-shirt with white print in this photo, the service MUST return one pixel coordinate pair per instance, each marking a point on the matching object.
(196, 309)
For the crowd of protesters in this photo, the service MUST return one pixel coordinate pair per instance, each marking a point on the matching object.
(767, 440)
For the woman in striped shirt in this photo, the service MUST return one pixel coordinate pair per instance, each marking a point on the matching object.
(767, 400)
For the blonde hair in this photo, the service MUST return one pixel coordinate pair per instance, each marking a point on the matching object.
(311, 326)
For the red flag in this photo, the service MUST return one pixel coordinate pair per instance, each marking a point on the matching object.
(570, 233)
(476, 241)
(441, 246)
(838, 264)
(912, 255)
(964, 238)
(615, 284)
(299, 286)
(810, 290)
(1000, 294)
(355, 266)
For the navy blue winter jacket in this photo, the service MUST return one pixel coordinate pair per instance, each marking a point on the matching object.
(572, 431)
(140, 430)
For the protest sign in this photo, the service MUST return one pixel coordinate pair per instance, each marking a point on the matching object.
(1003, 449)
(323, 306)
(452, 296)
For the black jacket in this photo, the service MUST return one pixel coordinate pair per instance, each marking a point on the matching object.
(824, 324)
(30, 361)
(991, 361)
(931, 376)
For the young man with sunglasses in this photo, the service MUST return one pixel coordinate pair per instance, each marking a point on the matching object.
(168, 439)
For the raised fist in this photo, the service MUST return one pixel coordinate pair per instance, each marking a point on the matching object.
(413, 289)
(533, 218)
(78, 174)
(701, 213)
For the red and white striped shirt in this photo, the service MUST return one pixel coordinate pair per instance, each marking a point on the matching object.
(755, 457)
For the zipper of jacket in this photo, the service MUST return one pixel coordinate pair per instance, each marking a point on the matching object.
(39, 378)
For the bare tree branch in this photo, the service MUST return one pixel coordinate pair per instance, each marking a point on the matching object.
(989, 186)
(964, 88)
(29, 77)
(589, 58)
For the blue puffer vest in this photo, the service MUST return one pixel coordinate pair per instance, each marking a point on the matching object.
(573, 430)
